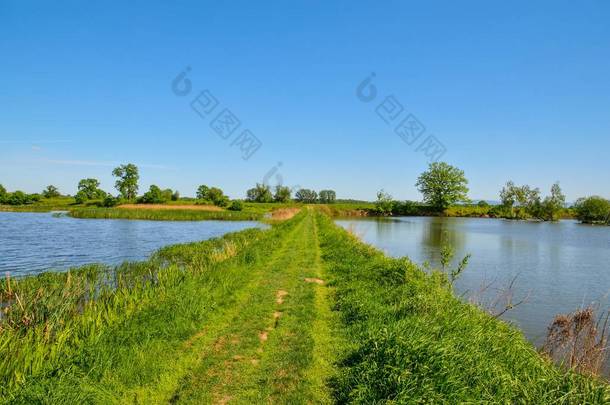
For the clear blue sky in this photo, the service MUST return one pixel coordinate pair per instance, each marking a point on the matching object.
(514, 90)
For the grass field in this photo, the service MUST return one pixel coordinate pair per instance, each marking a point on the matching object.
(300, 313)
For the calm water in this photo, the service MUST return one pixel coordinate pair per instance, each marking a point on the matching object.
(562, 266)
(34, 242)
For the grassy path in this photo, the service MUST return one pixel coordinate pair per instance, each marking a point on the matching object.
(264, 351)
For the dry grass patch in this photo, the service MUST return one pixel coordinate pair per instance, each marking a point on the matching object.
(283, 214)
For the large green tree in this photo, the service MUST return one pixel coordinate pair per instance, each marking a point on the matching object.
(443, 185)
(88, 189)
(127, 180)
(202, 192)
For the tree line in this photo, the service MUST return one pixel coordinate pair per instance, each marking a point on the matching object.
(441, 185)
(262, 193)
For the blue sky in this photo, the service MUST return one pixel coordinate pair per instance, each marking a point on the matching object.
(513, 90)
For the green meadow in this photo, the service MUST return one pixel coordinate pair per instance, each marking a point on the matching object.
(300, 313)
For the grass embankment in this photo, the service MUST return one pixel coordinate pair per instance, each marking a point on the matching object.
(165, 214)
(301, 313)
(44, 205)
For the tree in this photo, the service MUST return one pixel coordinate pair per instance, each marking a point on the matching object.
(154, 195)
(17, 198)
(592, 210)
(217, 197)
(525, 202)
(167, 194)
(202, 192)
(553, 204)
(306, 196)
(443, 185)
(176, 196)
(260, 193)
(88, 189)
(384, 203)
(327, 196)
(127, 182)
(3, 194)
(51, 192)
(282, 194)
(519, 201)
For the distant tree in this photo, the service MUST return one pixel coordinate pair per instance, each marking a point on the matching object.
(523, 201)
(592, 210)
(167, 194)
(3, 194)
(327, 196)
(553, 205)
(282, 194)
(483, 204)
(261, 193)
(127, 182)
(51, 192)
(202, 192)
(88, 189)
(176, 196)
(384, 203)
(443, 185)
(217, 197)
(17, 198)
(307, 196)
(155, 195)
(518, 201)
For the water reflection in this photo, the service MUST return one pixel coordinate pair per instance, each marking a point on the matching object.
(563, 266)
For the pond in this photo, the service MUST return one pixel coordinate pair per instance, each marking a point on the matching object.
(34, 242)
(556, 267)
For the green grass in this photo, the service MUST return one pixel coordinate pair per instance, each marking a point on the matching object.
(163, 214)
(241, 319)
(413, 341)
(44, 205)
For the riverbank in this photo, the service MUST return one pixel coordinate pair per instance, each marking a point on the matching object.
(300, 313)
(174, 210)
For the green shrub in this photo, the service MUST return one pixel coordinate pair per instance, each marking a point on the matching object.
(592, 210)
(236, 205)
(110, 201)
(155, 195)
